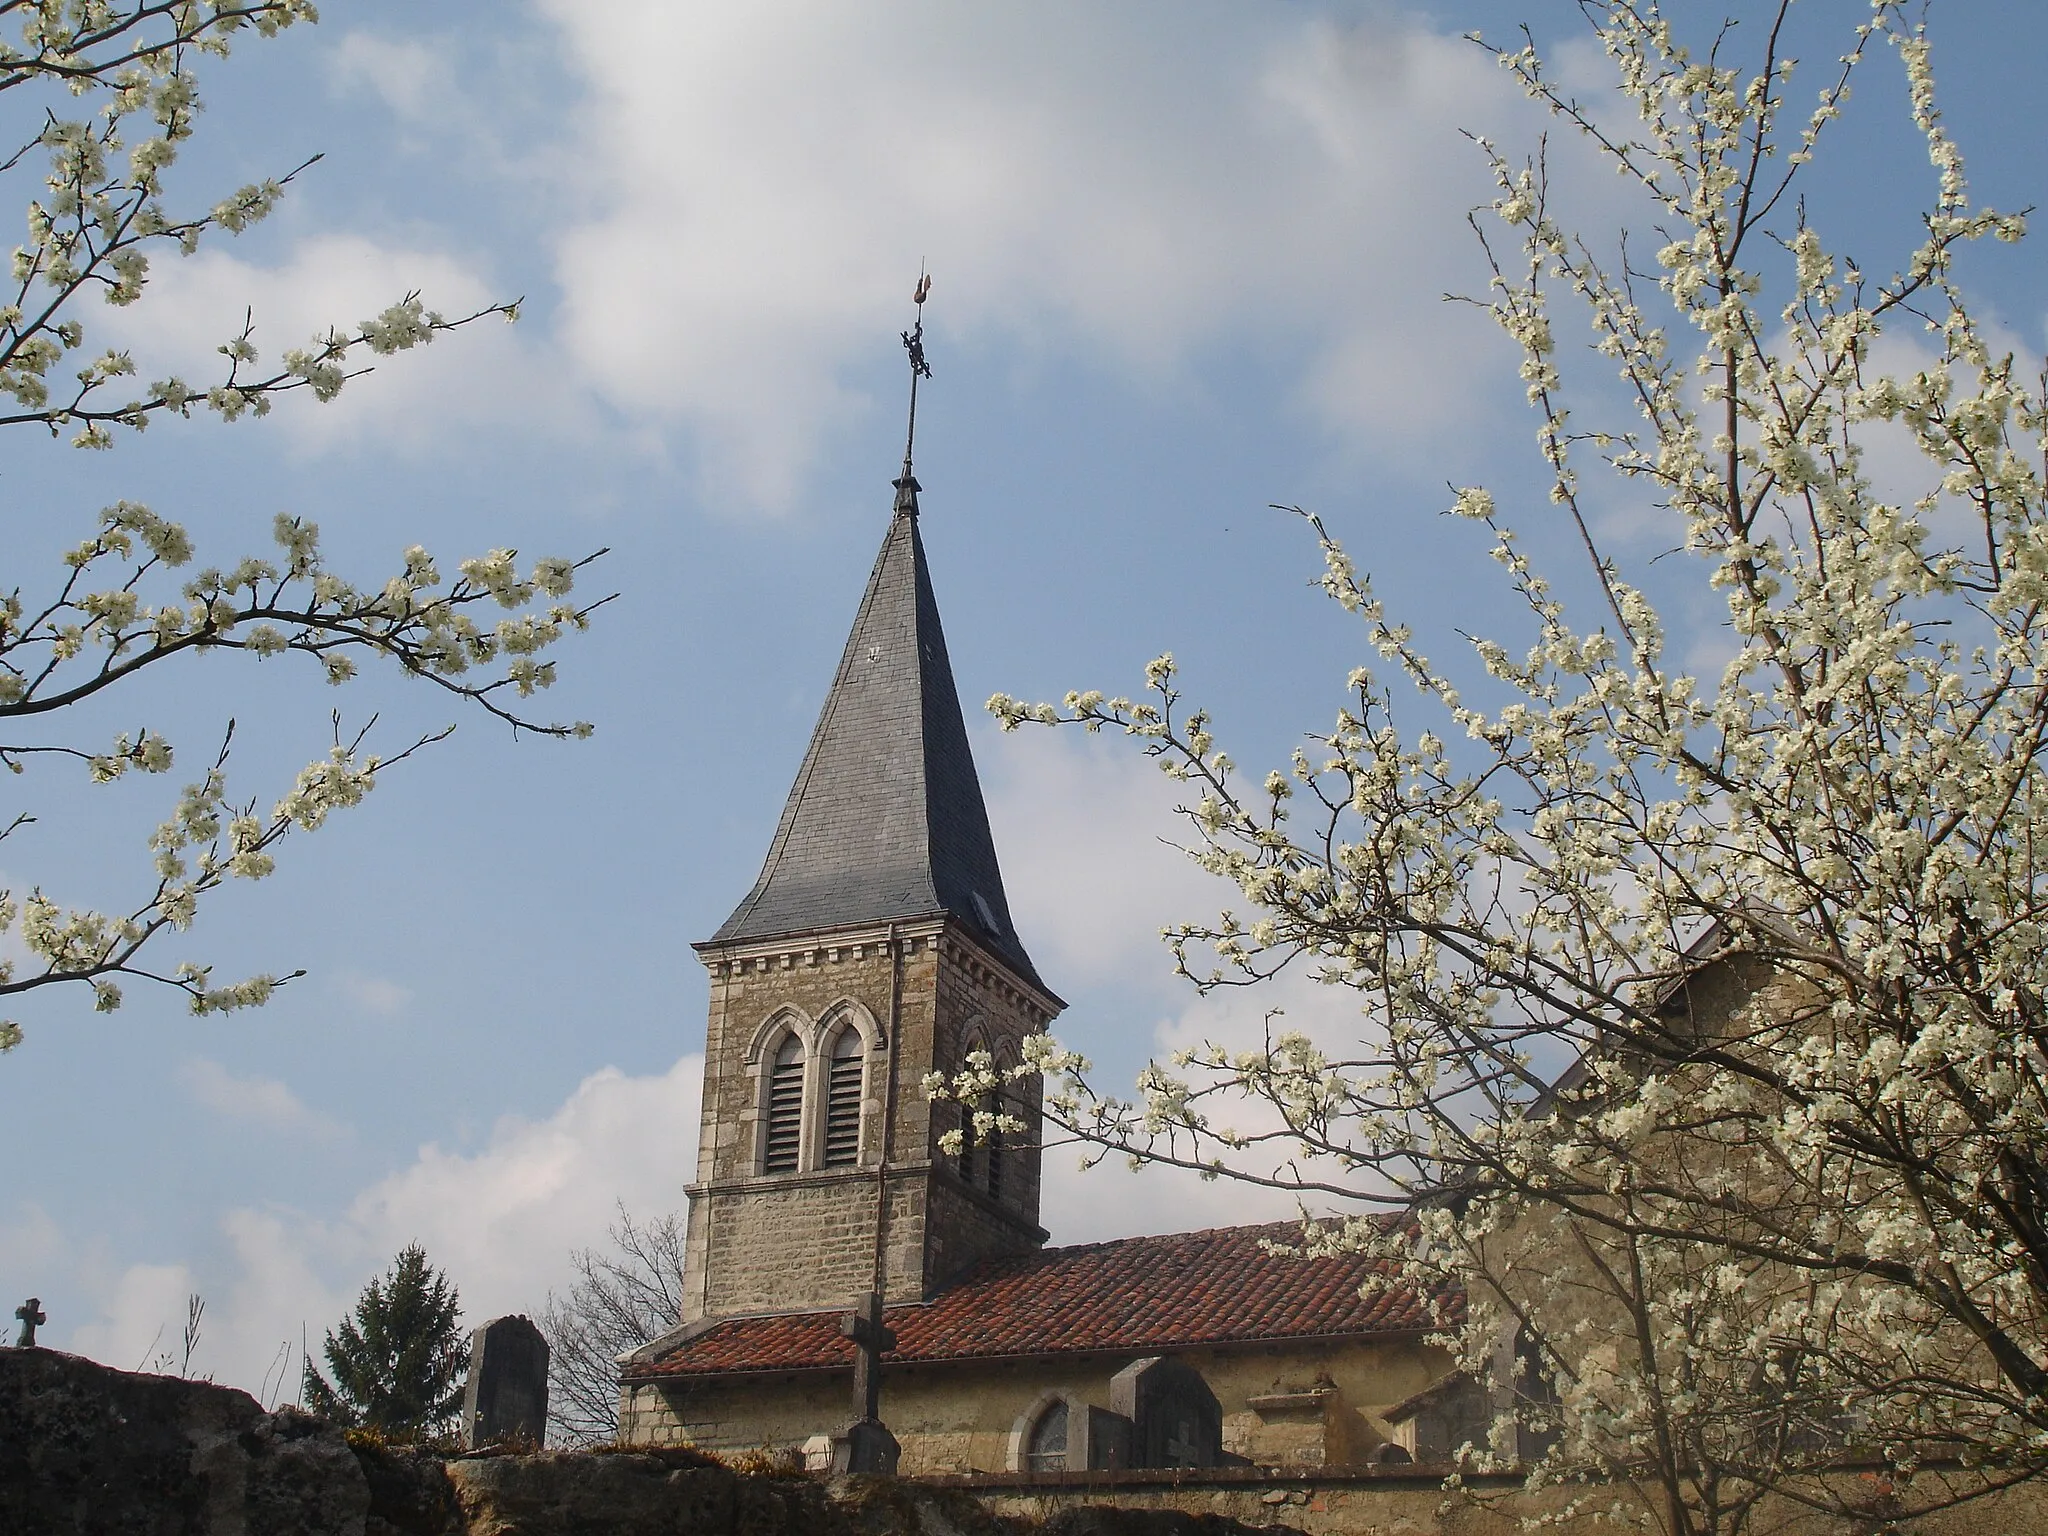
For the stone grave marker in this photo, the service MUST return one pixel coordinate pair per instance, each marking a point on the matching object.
(866, 1445)
(1175, 1418)
(507, 1396)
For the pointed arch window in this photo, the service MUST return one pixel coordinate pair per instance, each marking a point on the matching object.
(992, 1149)
(843, 1084)
(964, 1163)
(973, 1158)
(785, 1107)
(1045, 1447)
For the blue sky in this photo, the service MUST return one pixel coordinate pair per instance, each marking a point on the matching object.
(1188, 260)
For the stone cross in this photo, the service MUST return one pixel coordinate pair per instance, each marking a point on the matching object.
(31, 1314)
(871, 1340)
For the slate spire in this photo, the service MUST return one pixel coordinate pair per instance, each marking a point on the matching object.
(886, 820)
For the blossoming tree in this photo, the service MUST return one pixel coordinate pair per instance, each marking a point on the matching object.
(1698, 1026)
(107, 96)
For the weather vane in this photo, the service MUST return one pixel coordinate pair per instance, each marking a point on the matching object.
(913, 343)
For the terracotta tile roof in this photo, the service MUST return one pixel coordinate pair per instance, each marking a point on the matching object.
(1136, 1294)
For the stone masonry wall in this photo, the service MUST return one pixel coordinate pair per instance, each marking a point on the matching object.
(964, 1226)
(766, 1242)
(751, 988)
(976, 1005)
(959, 1418)
(803, 1243)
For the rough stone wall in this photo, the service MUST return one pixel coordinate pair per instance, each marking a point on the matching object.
(976, 1001)
(765, 1242)
(1413, 1502)
(750, 986)
(1368, 1376)
(86, 1450)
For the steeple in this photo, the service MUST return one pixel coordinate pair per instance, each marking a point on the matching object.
(886, 819)
(876, 947)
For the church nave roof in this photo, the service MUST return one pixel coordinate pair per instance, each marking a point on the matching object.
(1134, 1295)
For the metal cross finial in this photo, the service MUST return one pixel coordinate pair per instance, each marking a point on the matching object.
(872, 1339)
(31, 1314)
(913, 343)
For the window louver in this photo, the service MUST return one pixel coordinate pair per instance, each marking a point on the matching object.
(995, 1156)
(785, 1108)
(842, 1102)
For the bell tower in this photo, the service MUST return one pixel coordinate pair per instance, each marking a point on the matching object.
(876, 946)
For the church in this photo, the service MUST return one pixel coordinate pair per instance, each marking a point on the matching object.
(877, 946)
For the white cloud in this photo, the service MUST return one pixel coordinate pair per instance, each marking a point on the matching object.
(500, 1222)
(260, 1101)
(761, 181)
(1091, 875)
(141, 1322)
(374, 994)
(503, 1221)
(1090, 888)
(412, 78)
(29, 1243)
(1112, 1200)
(487, 372)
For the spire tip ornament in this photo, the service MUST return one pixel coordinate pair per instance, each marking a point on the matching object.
(913, 344)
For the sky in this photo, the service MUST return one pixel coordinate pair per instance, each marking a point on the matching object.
(1189, 260)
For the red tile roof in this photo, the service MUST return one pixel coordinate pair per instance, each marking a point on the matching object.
(1136, 1294)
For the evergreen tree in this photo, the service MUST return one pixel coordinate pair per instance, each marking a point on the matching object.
(399, 1360)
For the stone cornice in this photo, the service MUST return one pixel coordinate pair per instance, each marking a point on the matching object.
(947, 937)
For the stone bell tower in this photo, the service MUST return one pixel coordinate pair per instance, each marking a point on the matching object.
(875, 947)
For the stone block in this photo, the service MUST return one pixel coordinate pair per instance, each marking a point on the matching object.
(507, 1395)
(866, 1446)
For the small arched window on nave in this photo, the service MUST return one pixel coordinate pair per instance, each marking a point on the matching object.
(842, 1099)
(1045, 1447)
(785, 1107)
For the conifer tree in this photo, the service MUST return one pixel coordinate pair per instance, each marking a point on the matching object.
(399, 1359)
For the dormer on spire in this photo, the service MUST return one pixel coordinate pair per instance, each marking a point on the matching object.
(906, 492)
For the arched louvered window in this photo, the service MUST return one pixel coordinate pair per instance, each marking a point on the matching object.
(992, 1150)
(971, 1149)
(965, 1162)
(842, 1100)
(785, 1107)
